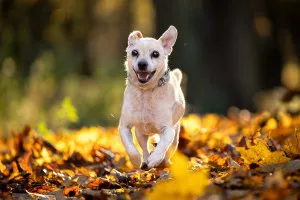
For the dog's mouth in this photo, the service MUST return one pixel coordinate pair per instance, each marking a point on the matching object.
(144, 77)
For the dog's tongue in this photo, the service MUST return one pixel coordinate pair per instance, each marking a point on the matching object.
(143, 75)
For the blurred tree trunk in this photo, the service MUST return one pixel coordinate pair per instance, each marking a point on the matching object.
(27, 36)
(230, 55)
(86, 67)
(216, 49)
(291, 21)
(269, 46)
(283, 42)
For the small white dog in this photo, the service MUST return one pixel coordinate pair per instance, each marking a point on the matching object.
(153, 100)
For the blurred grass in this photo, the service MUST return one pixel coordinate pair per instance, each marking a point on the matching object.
(51, 98)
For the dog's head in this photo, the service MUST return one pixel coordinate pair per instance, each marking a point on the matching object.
(147, 58)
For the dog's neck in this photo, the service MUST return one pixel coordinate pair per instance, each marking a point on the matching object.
(161, 81)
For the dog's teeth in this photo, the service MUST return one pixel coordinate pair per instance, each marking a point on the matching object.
(143, 76)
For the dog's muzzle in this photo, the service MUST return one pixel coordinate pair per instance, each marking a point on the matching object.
(144, 76)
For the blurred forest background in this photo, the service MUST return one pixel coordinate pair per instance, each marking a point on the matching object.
(61, 61)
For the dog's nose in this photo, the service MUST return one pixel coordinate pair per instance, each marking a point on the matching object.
(142, 65)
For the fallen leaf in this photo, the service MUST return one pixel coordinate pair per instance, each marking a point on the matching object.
(25, 163)
(71, 191)
(289, 167)
(194, 182)
(261, 155)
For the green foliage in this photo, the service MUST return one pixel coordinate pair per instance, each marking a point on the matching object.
(47, 101)
(42, 128)
(67, 112)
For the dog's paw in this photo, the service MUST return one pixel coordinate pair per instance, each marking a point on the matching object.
(144, 166)
(154, 160)
(135, 158)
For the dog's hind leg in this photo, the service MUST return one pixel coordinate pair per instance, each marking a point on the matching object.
(174, 145)
(172, 148)
(143, 142)
(167, 134)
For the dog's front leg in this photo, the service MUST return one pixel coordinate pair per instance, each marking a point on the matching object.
(167, 135)
(127, 140)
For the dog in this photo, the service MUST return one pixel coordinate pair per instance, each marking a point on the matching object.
(153, 100)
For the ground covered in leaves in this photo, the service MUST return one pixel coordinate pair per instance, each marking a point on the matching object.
(242, 155)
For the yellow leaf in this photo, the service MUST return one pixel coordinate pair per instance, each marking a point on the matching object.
(271, 124)
(261, 155)
(184, 185)
(2, 167)
(292, 144)
(192, 125)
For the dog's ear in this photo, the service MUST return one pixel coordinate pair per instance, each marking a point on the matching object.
(168, 39)
(133, 37)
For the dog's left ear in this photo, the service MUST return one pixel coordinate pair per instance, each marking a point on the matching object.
(168, 39)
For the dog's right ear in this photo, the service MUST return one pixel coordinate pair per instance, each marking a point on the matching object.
(133, 37)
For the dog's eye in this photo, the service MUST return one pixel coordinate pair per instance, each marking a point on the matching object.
(134, 53)
(155, 54)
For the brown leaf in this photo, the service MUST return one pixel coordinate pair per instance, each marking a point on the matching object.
(41, 196)
(289, 167)
(25, 162)
(101, 183)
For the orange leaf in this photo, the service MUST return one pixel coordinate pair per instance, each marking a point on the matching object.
(24, 162)
(71, 191)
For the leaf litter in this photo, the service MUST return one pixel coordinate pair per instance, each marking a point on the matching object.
(243, 155)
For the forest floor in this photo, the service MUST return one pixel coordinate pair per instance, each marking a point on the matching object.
(240, 156)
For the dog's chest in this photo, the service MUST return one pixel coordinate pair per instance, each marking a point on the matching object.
(147, 109)
(144, 108)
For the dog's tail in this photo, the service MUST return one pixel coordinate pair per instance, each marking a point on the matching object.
(178, 74)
